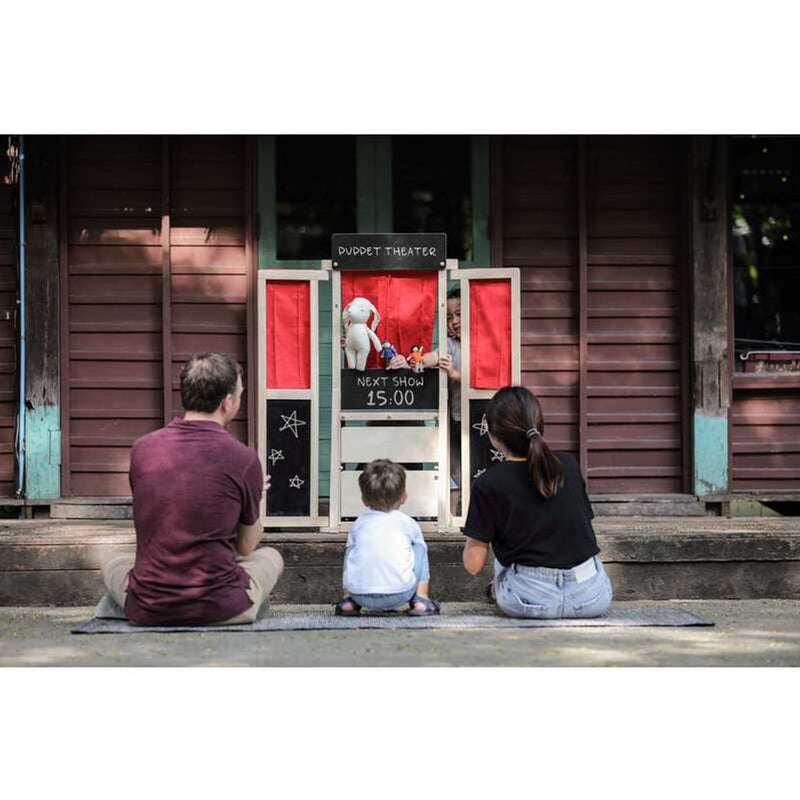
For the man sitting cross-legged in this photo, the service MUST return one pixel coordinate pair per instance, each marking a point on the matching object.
(196, 509)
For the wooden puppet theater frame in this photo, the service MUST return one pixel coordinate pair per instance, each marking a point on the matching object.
(377, 413)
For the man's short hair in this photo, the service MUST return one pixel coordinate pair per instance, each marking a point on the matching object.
(454, 294)
(206, 379)
(382, 484)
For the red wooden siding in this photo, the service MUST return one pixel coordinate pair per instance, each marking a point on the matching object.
(123, 243)
(207, 252)
(8, 306)
(540, 217)
(634, 331)
(632, 367)
(765, 440)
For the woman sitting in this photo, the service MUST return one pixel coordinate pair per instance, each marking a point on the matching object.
(533, 510)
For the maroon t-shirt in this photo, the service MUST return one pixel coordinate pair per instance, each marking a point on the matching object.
(192, 484)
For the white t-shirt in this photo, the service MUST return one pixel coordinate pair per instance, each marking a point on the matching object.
(379, 558)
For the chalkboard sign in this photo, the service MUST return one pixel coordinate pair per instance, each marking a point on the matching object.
(288, 458)
(482, 454)
(390, 390)
(389, 250)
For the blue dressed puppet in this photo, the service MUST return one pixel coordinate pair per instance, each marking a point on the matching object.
(387, 353)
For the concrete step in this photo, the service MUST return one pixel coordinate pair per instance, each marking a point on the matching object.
(658, 505)
(91, 508)
(57, 562)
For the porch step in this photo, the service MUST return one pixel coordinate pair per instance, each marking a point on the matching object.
(52, 562)
(91, 508)
(658, 505)
(642, 505)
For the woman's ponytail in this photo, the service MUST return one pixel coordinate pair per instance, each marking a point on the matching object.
(546, 471)
(514, 417)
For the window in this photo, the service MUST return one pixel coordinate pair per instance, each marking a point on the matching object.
(310, 187)
(432, 189)
(315, 194)
(766, 253)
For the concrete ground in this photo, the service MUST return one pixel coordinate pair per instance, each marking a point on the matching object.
(747, 633)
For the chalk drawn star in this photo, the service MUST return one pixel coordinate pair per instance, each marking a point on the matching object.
(479, 473)
(296, 482)
(276, 455)
(497, 455)
(291, 423)
(481, 426)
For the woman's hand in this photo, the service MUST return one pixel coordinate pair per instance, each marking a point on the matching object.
(474, 556)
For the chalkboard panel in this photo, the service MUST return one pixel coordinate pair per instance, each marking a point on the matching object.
(288, 458)
(390, 390)
(481, 452)
(389, 250)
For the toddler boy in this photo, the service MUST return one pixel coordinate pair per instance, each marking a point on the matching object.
(386, 558)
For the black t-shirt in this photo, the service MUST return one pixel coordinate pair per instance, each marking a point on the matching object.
(506, 511)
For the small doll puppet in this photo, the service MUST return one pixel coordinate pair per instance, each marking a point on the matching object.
(387, 353)
(415, 358)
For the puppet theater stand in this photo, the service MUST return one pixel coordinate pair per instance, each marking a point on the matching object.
(397, 414)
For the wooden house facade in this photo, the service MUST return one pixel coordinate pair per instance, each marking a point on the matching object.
(141, 250)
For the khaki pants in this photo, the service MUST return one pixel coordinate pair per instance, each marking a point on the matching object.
(264, 566)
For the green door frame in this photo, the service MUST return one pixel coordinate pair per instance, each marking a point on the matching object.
(373, 215)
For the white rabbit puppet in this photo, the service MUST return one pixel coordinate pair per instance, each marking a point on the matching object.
(357, 334)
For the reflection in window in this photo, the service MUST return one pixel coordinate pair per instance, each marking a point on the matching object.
(431, 189)
(315, 193)
(766, 253)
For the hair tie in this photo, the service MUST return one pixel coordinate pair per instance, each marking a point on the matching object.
(531, 432)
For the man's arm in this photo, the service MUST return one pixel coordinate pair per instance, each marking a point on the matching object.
(248, 537)
(474, 555)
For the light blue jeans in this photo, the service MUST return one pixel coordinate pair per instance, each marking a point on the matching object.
(386, 602)
(544, 593)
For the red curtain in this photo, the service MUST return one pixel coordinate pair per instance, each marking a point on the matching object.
(406, 302)
(288, 335)
(490, 333)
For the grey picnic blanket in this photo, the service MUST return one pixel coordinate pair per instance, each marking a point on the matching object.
(109, 619)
